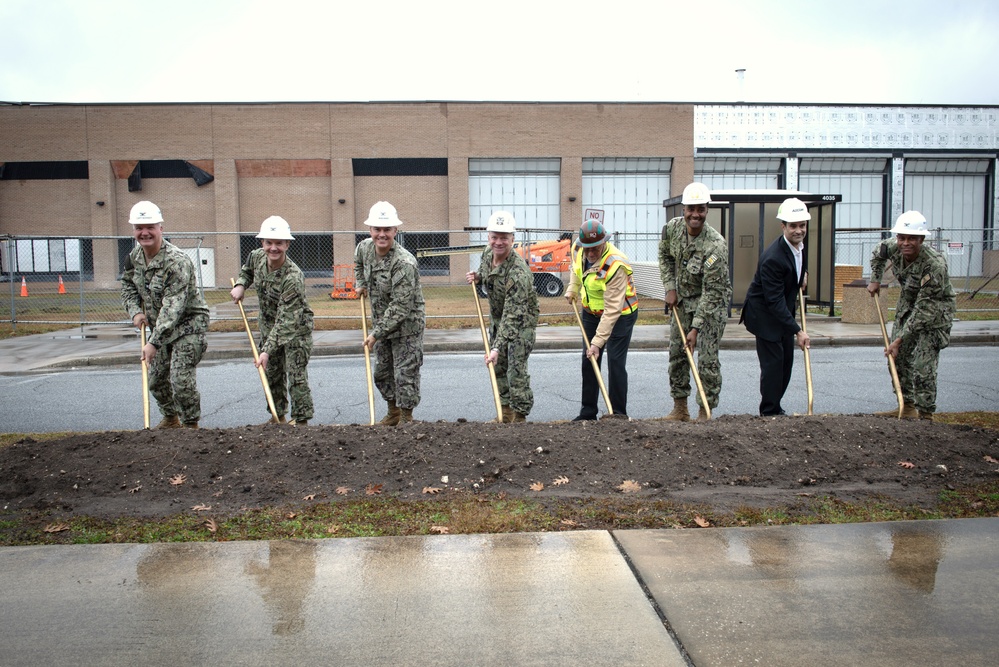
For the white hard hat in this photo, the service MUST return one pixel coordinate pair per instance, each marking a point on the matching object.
(275, 228)
(383, 214)
(503, 222)
(912, 223)
(145, 213)
(696, 193)
(793, 210)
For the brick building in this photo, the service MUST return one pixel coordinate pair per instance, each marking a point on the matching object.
(219, 169)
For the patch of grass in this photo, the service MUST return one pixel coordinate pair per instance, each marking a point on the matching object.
(467, 514)
(979, 419)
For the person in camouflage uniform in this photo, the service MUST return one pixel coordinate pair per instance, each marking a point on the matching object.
(693, 263)
(159, 289)
(286, 320)
(388, 273)
(924, 313)
(513, 315)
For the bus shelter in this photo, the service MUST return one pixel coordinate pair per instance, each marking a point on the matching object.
(748, 221)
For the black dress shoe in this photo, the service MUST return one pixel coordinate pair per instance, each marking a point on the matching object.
(584, 418)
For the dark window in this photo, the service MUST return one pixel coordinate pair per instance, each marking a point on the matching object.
(44, 171)
(400, 166)
(416, 241)
(312, 252)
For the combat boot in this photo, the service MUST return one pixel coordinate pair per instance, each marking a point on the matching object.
(299, 422)
(517, 417)
(193, 424)
(909, 411)
(173, 421)
(702, 414)
(507, 414)
(928, 416)
(405, 415)
(679, 413)
(392, 418)
(279, 420)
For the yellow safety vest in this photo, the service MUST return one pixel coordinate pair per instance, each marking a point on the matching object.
(594, 281)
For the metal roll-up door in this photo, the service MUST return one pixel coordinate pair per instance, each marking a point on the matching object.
(952, 194)
(863, 183)
(630, 192)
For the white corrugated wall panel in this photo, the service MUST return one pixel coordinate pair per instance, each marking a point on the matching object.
(862, 206)
(956, 204)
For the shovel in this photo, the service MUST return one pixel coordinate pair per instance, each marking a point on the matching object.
(891, 359)
(808, 358)
(256, 358)
(367, 362)
(690, 359)
(485, 344)
(593, 360)
(145, 383)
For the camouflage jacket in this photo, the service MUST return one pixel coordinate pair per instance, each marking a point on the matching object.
(393, 284)
(927, 301)
(513, 303)
(166, 289)
(284, 311)
(697, 268)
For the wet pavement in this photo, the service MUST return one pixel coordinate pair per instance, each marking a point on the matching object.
(118, 344)
(903, 593)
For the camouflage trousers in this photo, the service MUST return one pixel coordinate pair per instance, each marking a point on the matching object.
(512, 378)
(288, 375)
(397, 369)
(173, 379)
(708, 365)
(916, 364)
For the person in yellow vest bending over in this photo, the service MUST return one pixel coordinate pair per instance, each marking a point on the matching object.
(601, 279)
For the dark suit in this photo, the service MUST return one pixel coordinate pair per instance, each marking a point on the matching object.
(768, 313)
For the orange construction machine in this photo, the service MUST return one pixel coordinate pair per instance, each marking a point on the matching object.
(343, 282)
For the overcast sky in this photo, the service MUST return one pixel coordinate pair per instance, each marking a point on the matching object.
(793, 51)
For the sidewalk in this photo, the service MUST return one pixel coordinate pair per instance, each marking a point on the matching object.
(892, 594)
(112, 345)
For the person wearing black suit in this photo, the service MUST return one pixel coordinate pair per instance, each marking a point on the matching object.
(768, 312)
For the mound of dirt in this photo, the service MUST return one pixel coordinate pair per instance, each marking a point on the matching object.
(725, 463)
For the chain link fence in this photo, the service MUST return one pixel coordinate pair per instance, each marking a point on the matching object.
(75, 280)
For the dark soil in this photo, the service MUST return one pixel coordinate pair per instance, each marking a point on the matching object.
(729, 462)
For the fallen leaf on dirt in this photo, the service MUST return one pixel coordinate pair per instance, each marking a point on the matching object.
(343, 490)
(440, 530)
(989, 459)
(373, 489)
(701, 521)
(333, 529)
(538, 486)
(56, 527)
(311, 496)
(136, 489)
(559, 481)
(569, 522)
(431, 490)
(907, 464)
(629, 486)
(201, 508)
(290, 516)
(211, 526)
(178, 479)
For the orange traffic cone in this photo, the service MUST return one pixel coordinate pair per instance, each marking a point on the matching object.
(24, 287)
(62, 288)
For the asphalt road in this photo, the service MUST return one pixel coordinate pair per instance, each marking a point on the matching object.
(846, 380)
